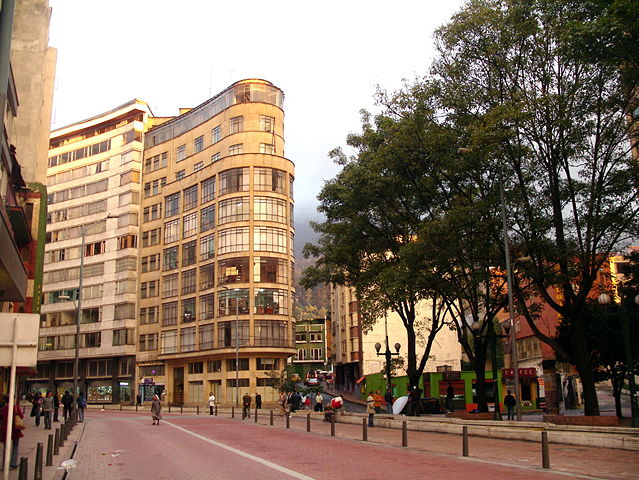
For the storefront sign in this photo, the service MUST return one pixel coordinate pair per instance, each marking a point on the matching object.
(148, 381)
(449, 376)
(523, 372)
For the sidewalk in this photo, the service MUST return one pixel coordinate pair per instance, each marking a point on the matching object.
(34, 435)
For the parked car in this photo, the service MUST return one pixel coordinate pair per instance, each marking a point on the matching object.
(313, 381)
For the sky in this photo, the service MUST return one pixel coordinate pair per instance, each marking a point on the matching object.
(328, 58)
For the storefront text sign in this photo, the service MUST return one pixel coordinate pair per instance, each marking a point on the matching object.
(523, 372)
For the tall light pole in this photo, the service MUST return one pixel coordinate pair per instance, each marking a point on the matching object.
(83, 233)
(388, 355)
(237, 343)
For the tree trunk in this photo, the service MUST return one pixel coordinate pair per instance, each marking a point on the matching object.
(584, 367)
(411, 368)
(480, 386)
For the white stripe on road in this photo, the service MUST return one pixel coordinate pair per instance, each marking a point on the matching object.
(272, 465)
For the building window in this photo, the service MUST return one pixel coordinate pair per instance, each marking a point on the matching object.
(123, 336)
(206, 337)
(236, 149)
(169, 314)
(127, 219)
(151, 237)
(226, 333)
(187, 339)
(214, 366)
(266, 123)
(188, 282)
(243, 364)
(180, 175)
(172, 231)
(150, 263)
(188, 253)
(94, 248)
(269, 180)
(181, 153)
(190, 225)
(149, 289)
(170, 286)
(148, 315)
(207, 276)
(132, 176)
(234, 210)
(152, 212)
(208, 218)
(234, 180)
(216, 134)
(206, 308)
(169, 261)
(236, 125)
(267, 364)
(198, 166)
(90, 340)
(188, 309)
(271, 301)
(198, 144)
(207, 247)
(215, 157)
(270, 239)
(127, 241)
(267, 148)
(270, 270)
(172, 205)
(208, 190)
(270, 209)
(270, 333)
(232, 270)
(127, 198)
(196, 368)
(124, 264)
(232, 302)
(169, 342)
(233, 240)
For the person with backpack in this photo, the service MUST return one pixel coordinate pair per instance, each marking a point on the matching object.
(82, 404)
(67, 404)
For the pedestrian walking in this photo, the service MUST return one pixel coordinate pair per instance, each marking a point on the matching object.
(36, 408)
(388, 398)
(282, 402)
(509, 403)
(67, 404)
(82, 404)
(56, 406)
(138, 399)
(319, 402)
(211, 403)
(246, 406)
(450, 394)
(258, 401)
(379, 400)
(16, 432)
(370, 408)
(156, 409)
(47, 409)
(414, 401)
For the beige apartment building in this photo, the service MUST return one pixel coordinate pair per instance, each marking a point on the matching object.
(353, 349)
(94, 188)
(216, 250)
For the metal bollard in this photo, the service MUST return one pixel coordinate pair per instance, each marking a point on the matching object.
(169, 408)
(308, 422)
(404, 434)
(24, 468)
(120, 407)
(198, 410)
(136, 408)
(216, 410)
(255, 414)
(271, 418)
(37, 469)
(232, 412)
(56, 442)
(288, 421)
(50, 451)
(465, 441)
(61, 442)
(364, 430)
(181, 409)
(332, 425)
(545, 454)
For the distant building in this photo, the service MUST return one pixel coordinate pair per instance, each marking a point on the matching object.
(93, 180)
(310, 342)
(353, 351)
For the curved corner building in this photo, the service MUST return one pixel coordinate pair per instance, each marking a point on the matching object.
(216, 250)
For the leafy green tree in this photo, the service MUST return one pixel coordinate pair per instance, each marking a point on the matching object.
(555, 126)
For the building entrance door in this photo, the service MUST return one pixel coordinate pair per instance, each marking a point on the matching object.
(178, 385)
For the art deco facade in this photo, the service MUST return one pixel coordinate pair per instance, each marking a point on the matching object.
(216, 250)
(94, 183)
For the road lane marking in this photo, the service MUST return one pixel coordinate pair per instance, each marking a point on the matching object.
(264, 462)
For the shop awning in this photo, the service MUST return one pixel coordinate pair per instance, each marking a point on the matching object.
(360, 380)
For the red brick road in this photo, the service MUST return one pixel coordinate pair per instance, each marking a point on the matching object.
(126, 446)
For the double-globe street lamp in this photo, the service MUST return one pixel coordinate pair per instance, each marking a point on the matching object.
(84, 229)
(237, 342)
(388, 355)
(605, 299)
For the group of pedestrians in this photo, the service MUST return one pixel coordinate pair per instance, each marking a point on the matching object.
(47, 407)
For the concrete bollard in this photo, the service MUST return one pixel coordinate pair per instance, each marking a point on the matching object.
(545, 453)
(308, 422)
(255, 415)
(181, 409)
(216, 410)
(37, 469)
(465, 441)
(332, 425)
(271, 422)
(50, 451)
(56, 442)
(61, 441)
(288, 421)
(198, 410)
(136, 408)
(404, 434)
(232, 412)
(169, 408)
(120, 407)
(364, 430)
(24, 468)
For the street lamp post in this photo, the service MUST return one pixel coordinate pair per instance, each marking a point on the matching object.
(604, 299)
(237, 343)
(388, 354)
